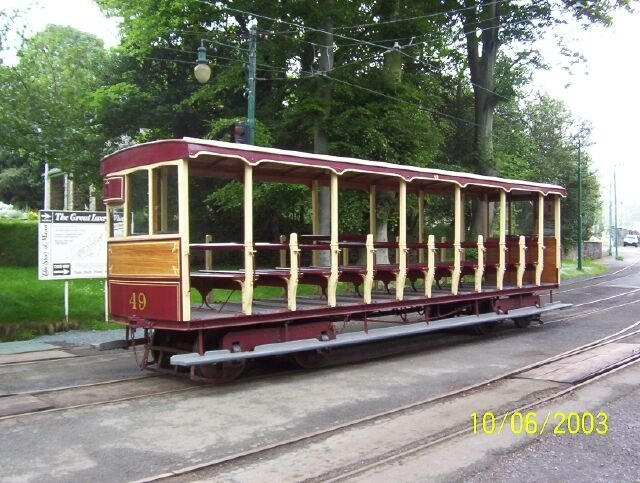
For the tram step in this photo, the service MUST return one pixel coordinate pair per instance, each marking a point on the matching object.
(351, 338)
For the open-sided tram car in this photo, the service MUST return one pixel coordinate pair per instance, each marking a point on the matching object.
(155, 285)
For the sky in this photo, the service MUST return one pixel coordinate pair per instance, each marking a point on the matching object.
(603, 90)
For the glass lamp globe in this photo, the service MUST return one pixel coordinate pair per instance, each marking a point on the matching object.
(202, 72)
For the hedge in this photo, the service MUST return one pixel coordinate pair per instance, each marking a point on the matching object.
(18, 243)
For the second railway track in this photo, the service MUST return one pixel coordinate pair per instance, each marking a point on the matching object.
(239, 460)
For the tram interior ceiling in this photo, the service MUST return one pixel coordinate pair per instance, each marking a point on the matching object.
(198, 229)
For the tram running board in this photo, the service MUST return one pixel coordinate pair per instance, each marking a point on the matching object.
(351, 338)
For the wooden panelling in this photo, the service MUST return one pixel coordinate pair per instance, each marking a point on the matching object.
(550, 271)
(142, 259)
(150, 300)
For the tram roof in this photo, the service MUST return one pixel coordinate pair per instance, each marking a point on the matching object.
(225, 160)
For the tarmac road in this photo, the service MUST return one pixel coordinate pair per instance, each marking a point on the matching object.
(134, 439)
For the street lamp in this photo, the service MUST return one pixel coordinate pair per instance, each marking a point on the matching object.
(202, 71)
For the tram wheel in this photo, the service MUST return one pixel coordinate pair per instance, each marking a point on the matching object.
(522, 322)
(486, 328)
(221, 372)
(160, 356)
(311, 359)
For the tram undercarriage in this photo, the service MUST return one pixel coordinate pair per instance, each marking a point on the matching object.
(219, 354)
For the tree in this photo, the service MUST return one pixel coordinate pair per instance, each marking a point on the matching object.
(45, 110)
(490, 26)
(390, 87)
(539, 142)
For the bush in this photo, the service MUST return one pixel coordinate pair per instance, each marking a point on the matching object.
(19, 246)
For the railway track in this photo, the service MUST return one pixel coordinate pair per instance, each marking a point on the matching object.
(245, 458)
(58, 358)
(151, 386)
(399, 455)
(79, 396)
(132, 388)
(573, 286)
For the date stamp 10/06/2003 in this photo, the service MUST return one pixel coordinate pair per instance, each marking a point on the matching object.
(533, 423)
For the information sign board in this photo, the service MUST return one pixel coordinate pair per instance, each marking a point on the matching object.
(72, 244)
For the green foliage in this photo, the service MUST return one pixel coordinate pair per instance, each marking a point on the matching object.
(45, 111)
(278, 210)
(68, 101)
(19, 247)
(120, 108)
(20, 184)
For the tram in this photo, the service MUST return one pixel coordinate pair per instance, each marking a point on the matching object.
(165, 278)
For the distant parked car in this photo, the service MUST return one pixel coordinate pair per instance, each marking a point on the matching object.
(630, 240)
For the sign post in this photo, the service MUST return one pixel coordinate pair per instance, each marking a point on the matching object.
(71, 245)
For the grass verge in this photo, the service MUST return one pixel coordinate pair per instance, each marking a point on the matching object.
(589, 267)
(29, 307)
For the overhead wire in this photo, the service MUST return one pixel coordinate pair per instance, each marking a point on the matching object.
(398, 99)
(417, 17)
(360, 42)
(363, 42)
(309, 75)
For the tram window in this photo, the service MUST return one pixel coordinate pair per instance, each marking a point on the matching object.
(116, 222)
(139, 202)
(165, 190)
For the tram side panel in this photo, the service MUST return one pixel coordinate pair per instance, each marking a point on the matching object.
(144, 280)
(550, 269)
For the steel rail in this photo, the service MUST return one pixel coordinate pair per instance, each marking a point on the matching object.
(80, 386)
(420, 446)
(101, 403)
(602, 341)
(595, 277)
(57, 359)
(619, 335)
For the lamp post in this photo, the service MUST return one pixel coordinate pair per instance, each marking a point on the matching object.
(579, 208)
(610, 221)
(615, 213)
(251, 108)
(202, 72)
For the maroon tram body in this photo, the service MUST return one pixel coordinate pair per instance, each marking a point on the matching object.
(152, 276)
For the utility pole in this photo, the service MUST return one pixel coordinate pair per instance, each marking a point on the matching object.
(202, 72)
(251, 114)
(610, 222)
(615, 212)
(579, 209)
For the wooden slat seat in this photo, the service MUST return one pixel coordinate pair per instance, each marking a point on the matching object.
(318, 276)
(442, 270)
(416, 271)
(205, 281)
(353, 274)
(385, 273)
(356, 274)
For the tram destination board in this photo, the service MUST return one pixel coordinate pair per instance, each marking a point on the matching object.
(72, 244)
